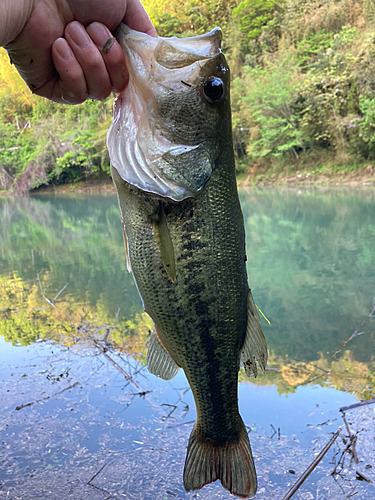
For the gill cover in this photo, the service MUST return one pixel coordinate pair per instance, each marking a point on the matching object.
(163, 138)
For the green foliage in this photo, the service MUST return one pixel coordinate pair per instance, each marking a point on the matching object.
(254, 15)
(41, 141)
(369, 11)
(328, 99)
(85, 154)
(173, 18)
(309, 48)
(313, 97)
(17, 147)
(303, 18)
(270, 94)
(303, 76)
(366, 125)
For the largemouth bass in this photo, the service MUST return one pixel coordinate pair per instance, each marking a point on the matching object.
(172, 163)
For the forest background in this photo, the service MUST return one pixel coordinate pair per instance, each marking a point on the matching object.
(303, 95)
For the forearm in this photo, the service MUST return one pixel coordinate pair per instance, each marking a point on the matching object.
(13, 16)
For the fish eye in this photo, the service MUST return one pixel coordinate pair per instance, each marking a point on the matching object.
(213, 90)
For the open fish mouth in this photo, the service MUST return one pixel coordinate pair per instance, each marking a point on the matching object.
(163, 136)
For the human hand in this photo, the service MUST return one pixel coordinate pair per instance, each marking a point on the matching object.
(57, 46)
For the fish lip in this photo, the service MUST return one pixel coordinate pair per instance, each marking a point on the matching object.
(207, 45)
(169, 62)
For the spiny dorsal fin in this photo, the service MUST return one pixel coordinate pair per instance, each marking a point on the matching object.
(255, 347)
(164, 242)
(159, 362)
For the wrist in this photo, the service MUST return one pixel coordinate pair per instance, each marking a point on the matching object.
(13, 17)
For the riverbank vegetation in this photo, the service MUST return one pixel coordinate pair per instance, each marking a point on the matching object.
(31, 314)
(303, 94)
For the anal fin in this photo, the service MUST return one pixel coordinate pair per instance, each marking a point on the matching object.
(159, 362)
(255, 347)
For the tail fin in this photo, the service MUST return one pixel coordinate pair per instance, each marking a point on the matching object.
(233, 464)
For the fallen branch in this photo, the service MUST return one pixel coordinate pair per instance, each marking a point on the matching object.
(362, 477)
(310, 468)
(351, 437)
(95, 475)
(357, 405)
(42, 292)
(127, 376)
(183, 423)
(97, 487)
(17, 408)
(338, 463)
(59, 293)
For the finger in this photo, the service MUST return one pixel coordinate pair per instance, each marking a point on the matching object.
(71, 86)
(137, 18)
(92, 63)
(113, 58)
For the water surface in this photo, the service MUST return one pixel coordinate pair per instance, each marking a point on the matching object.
(64, 289)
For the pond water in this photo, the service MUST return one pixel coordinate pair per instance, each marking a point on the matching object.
(80, 417)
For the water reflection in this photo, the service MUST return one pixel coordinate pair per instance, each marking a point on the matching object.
(310, 257)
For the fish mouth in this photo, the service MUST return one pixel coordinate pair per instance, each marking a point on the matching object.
(171, 53)
(145, 146)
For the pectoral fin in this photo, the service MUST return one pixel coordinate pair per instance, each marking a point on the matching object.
(255, 347)
(164, 242)
(159, 362)
(128, 265)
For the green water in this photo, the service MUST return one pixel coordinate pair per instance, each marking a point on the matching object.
(310, 261)
(310, 258)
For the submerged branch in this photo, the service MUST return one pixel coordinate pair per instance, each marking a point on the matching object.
(311, 467)
(128, 377)
(357, 405)
(20, 407)
(352, 438)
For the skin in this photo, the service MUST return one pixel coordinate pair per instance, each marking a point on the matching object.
(57, 45)
(200, 316)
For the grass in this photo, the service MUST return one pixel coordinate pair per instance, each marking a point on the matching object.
(330, 169)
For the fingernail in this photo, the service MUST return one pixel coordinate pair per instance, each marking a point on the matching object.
(99, 34)
(63, 49)
(78, 34)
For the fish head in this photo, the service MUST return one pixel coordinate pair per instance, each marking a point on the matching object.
(165, 136)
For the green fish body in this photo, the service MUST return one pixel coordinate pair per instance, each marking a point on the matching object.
(184, 239)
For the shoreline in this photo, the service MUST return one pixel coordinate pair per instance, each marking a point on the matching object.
(352, 178)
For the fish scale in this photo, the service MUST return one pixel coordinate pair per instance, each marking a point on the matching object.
(186, 247)
(207, 304)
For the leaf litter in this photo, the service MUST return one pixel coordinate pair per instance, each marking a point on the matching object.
(96, 434)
